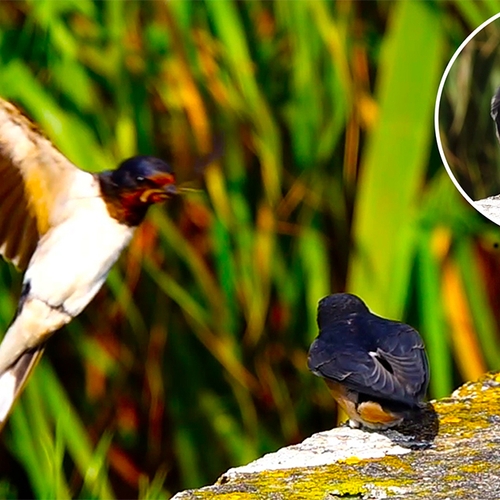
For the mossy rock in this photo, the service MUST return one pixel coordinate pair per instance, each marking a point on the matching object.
(452, 450)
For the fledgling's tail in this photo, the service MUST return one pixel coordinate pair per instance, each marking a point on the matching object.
(14, 378)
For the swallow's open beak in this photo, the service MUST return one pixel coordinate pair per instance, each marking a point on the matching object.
(165, 184)
(165, 188)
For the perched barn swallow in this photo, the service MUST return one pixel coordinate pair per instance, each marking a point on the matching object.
(376, 369)
(494, 109)
(490, 206)
(66, 228)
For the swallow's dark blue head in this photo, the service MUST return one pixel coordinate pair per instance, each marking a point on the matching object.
(338, 306)
(145, 173)
(136, 184)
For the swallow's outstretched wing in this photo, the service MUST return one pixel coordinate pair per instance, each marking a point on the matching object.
(394, 367)
(35, 179)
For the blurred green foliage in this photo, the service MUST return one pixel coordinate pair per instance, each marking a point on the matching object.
(192, 358)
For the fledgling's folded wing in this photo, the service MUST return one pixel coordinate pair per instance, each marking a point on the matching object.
(398, 370)
(35, 178)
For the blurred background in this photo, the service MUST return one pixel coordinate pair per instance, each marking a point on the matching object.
(467, 130)
(192, 358)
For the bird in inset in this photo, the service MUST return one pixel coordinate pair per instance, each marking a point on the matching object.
(494, 108)
(65, 227)
(490, 206)
(376, 369)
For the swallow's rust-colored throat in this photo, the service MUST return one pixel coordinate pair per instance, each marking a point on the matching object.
(129, 205)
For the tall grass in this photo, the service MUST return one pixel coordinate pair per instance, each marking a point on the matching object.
(192, 358)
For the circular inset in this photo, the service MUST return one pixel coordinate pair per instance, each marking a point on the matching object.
(467, 118)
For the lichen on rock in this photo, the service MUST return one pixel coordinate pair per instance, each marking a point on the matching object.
(451, 451)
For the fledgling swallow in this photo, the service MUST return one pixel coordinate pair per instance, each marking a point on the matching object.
(376, 369)
(65, 227)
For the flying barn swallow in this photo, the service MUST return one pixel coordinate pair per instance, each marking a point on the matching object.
(376, 369)
(65, 227)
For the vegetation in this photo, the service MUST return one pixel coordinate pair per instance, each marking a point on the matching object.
(192, 358)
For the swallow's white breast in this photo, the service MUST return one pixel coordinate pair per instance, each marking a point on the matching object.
(74, 257)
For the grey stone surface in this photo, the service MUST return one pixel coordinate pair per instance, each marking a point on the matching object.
(450, 451)
(489, 207)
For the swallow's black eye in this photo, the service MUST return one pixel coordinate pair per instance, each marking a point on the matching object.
(140, 180)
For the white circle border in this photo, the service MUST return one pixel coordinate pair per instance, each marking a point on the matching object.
(436, 113)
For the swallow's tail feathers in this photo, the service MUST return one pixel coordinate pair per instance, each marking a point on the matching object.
(14, 378)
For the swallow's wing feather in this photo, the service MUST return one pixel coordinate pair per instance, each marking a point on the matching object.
(400, 359)
(35, 178)
(396, 370)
